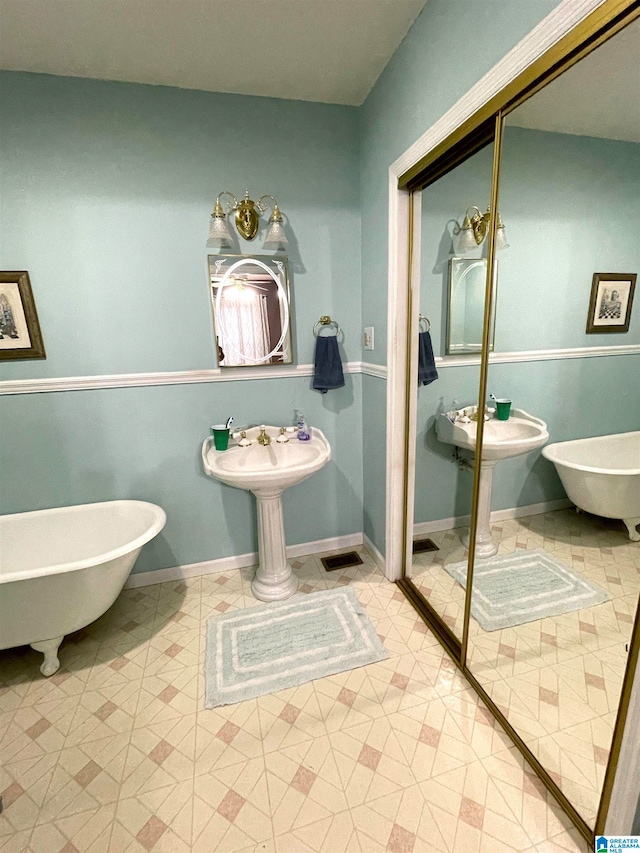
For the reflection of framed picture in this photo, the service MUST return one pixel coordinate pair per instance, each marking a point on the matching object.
(611, 302)
(19, 328)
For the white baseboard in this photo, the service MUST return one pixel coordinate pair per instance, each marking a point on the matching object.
(377, 556)
(497, 515)
(320, 545)
(335, 543)
(240, 561)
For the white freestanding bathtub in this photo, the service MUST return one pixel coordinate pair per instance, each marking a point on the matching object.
(61, 569)
(602, 475)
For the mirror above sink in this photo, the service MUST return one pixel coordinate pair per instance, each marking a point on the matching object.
(467, 277)
(251, 305)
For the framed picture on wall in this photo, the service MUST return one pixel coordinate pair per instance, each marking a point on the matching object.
(611, 302)
(20, 335)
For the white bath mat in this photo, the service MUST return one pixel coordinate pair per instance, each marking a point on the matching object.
(524, 586)
(283, 644)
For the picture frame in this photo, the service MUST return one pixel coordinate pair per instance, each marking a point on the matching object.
(20, 335)
(611, 302)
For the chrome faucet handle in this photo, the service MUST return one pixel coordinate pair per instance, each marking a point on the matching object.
(263, 438)
(283, 438)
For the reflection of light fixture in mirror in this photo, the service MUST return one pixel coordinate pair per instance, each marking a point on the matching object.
(474, 230)
(240, 288)
(247, 220)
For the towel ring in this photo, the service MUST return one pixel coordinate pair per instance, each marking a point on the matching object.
(422, 319)
(325, 320)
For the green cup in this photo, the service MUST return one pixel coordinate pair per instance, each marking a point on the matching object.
(503, 409)
(220, 436)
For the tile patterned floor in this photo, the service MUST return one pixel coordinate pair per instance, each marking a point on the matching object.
(558, 679)
(115, 752)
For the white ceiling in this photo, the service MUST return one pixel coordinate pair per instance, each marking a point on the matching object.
(311, 50)
(599, 96)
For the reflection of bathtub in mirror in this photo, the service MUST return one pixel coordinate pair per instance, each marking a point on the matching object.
(601, 475)
(467, 282)
(251, 309)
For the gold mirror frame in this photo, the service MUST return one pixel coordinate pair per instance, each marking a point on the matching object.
(484, 127)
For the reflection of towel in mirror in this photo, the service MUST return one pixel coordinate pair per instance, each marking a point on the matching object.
(328, 366)
(427, 372)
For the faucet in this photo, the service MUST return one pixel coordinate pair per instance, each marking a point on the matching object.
(263, 438)
(476, 415)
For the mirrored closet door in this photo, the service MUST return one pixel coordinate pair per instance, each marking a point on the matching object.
(524, 271)
(552, 611)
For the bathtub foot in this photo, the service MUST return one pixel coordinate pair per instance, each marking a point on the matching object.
(632, 524)
(49, 648)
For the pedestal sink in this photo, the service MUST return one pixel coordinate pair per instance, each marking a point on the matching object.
(267, 471)
(502, 439)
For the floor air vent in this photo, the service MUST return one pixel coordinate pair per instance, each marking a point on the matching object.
(341, 561)
(421, 545)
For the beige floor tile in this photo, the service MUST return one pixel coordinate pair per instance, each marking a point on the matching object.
(560, 672)
(117, 753)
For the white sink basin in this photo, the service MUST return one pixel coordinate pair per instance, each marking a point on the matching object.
(267, 471)
(502, 439)
(276, 466)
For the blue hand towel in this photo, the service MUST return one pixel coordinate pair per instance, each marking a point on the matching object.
(427, 372)
(328, 366)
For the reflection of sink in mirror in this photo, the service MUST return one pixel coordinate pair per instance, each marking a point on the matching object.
(502, 439)
(520, 434)
(267, 470)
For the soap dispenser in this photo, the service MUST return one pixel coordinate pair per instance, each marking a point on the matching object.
(303, 428)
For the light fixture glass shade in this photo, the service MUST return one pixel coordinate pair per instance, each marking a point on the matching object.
(501, 237)
(275, 235)
(467, 240)
(218, 229)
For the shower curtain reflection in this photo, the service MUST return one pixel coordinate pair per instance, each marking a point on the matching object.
(244, 325)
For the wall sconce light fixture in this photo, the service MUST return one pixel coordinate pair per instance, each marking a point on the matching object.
(474, 230)
(247, 220)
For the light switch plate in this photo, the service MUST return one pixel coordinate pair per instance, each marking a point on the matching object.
(368, 337)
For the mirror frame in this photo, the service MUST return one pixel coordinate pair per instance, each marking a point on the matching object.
(267, 263)
(477, 131)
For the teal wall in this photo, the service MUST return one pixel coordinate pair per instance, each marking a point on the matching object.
(452, 44)
(106, 192)
(570, 205)
(144, 443)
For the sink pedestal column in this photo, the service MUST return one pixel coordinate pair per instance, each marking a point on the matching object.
(486, 545)
(274, 578)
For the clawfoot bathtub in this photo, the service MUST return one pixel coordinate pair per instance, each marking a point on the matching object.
(60, 569)
(602, 475)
